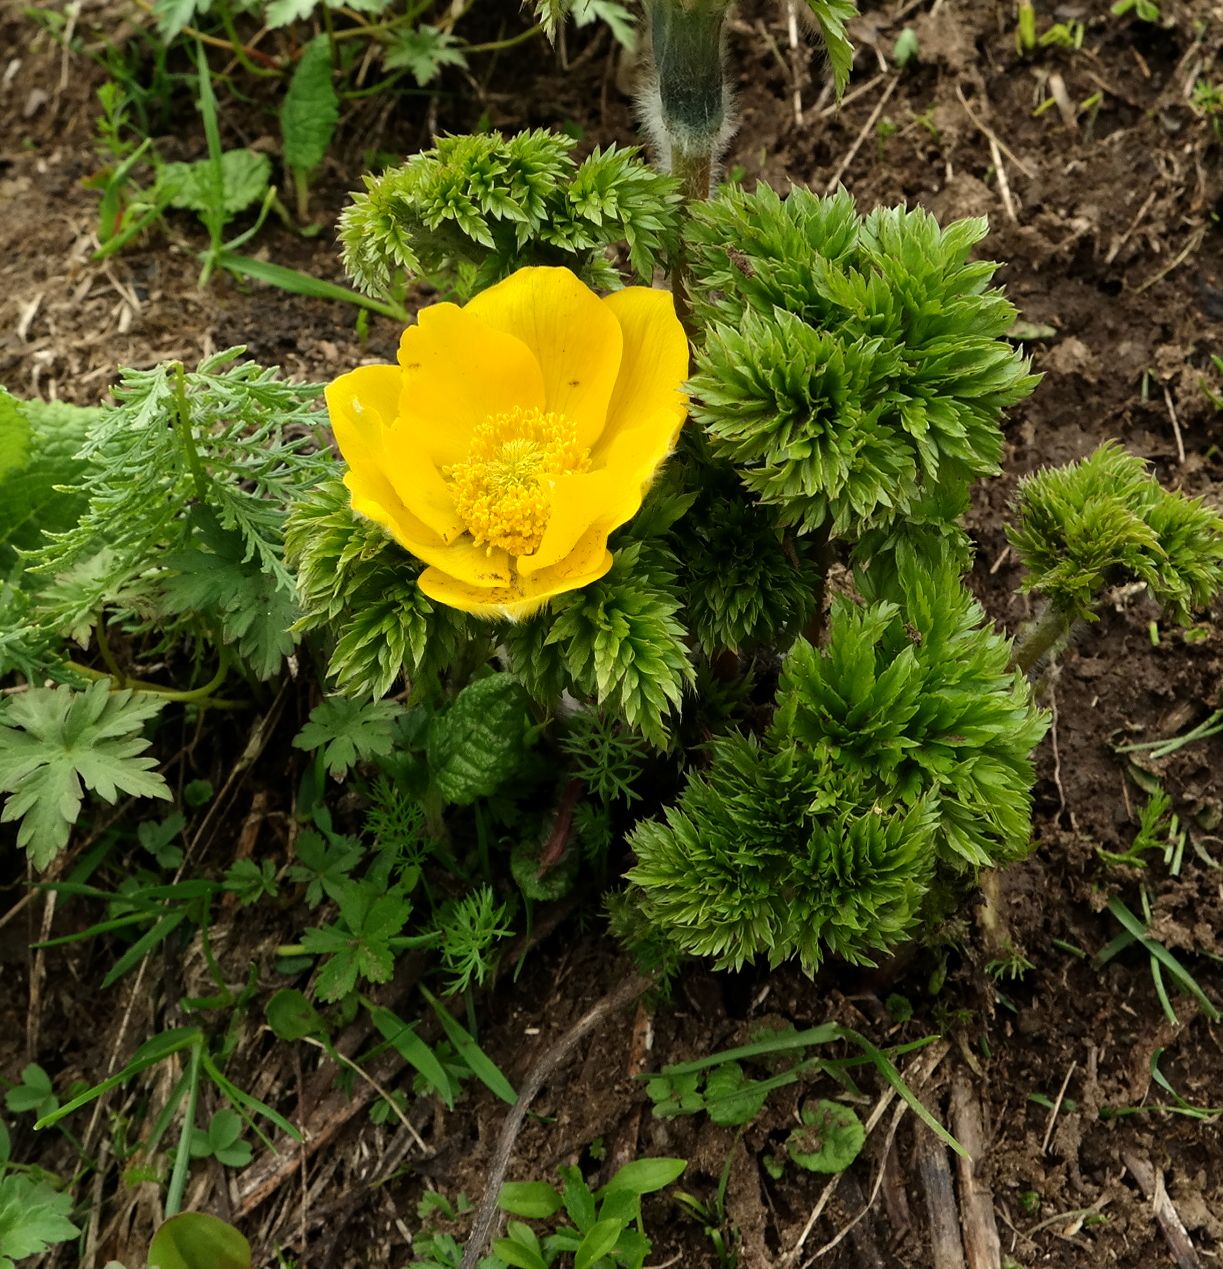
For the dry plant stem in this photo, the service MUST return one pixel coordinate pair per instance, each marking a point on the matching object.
(977, 1218)
(628, 991)
(946, 1251)
(1151, 1181)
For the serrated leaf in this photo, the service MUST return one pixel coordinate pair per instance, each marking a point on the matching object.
(311, 108)
(477, 744)
(33, 1217)
(831, 17)
(38, 445)
(282, 12)
(349, 731)
(173, 15)
(53, 741)
(245, 175)
(196, 1240)
(423, 51)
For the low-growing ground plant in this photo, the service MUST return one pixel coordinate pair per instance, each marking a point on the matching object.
(605, 592)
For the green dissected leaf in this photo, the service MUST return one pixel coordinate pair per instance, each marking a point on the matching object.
(478, 744)
(423, 51)
(38, 446)
(173, 15)
(195, 1240)
(617, 642)
(311, 108)
(53, 741)
(831, 16)
(477, 207)
(829, 1139)
(33, 1217)
(349, 731)
(245, 174)
(359, 585)
(357, 945)
(618, 19)
(281, 12)
(217, 578)
(324, 863)
(1106, 520)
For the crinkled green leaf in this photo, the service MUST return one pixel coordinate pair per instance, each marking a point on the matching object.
(829, 1139)
(478, 743)
(311, 108)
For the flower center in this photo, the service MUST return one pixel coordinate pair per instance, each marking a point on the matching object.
(503, 489)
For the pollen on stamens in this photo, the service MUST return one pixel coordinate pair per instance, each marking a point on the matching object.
(503, 489)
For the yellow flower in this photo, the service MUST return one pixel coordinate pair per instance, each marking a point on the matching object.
(515, 434)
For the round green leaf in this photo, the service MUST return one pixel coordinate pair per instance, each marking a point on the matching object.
(730, 1097)
(830, 1137)
(195, 1240)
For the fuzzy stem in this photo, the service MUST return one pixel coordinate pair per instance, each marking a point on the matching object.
(695, 172)
(1041, 637)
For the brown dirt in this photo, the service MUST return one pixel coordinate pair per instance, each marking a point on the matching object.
(1111, 237)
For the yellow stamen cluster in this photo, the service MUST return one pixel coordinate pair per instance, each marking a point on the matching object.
(503, 490)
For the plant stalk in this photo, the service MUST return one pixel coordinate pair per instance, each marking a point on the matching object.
(1041, 637)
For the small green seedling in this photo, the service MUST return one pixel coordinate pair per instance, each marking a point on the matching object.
(829, 1138)
(222, 1140)
(605, 1224)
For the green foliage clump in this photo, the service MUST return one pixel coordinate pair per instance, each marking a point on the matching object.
(919, 699)
(476, 208)
(1106, 520)
(618, 642)
(355, 582)
(746, 586)
(897, 761)
(771, 853)
(180, 495)
(852, 368)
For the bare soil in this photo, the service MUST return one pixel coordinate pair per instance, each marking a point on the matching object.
(1107, 219)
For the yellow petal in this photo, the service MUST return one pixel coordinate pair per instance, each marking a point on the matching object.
(648, 400)
(362, 405)
(457, 370)
(572, 334)
(476, 566)
(578, 503)
(419, 484)
(517, 601)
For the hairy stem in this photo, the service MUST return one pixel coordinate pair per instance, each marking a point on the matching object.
(1045, 634)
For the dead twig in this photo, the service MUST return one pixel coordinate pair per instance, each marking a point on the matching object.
(1151, 1181)
(835, 179)
(947, 1252)
(1057, 1106)
(981, 1243)
(1176, 425)
(628, 991)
